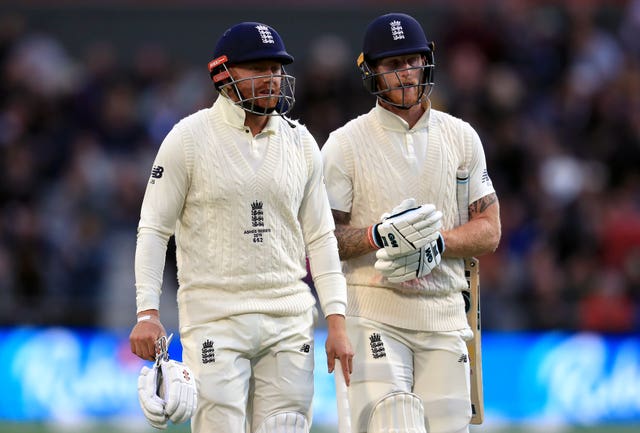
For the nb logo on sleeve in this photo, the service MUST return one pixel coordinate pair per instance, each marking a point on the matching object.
(156, 173)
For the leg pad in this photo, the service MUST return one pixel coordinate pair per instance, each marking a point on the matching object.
(398, 412)
(285, 422)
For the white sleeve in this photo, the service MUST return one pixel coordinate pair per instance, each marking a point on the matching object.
(479, 181)
(161, 206)
(337, 180)
(314, 213)
(321, 244)
(327, 275)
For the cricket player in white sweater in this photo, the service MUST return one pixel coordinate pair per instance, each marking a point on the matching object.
(241, 187)
(406, 315)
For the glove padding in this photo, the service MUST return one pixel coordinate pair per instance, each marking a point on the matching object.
(180, 393)
(409, 230)
(167, 391)
(415, 264)
(151, 403)
(407, 204)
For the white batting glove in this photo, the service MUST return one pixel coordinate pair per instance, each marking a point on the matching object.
(374, 236)
(151, 403)
(415, 264)
(407, 204)
(407, 231)
(179, 391)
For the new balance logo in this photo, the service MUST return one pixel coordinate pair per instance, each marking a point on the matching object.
(463, 358)
(377, 347)
(305, 348)
(485, 177)
(157, 171)
(208, 352)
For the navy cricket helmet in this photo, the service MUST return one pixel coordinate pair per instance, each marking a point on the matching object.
(248, 42)
(390, 35)
(251, 41)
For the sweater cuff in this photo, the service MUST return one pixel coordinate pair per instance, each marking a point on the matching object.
(332, 291)
(147, 298)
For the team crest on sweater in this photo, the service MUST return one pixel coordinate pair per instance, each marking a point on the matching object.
(257, 229)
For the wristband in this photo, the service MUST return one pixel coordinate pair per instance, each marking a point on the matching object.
(145, 317)
(372, 237)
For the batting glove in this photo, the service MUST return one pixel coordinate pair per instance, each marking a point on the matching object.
(180, 393)
(406, 231)
(415, 264)
(167, 390)
(407, 204)
(151, 403)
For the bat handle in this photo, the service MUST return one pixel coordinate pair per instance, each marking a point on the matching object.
(462, 195)
(342, 399)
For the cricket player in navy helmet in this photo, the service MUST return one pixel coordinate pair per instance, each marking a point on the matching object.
(391, 181)
(241, 187)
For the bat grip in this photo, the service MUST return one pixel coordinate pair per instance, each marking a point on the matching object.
(342, 399)
(462, 194)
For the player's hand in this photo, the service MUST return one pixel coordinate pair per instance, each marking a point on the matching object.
(180, 392)
(415, 264)
(144, 335)
(338, 346)
(408, 230)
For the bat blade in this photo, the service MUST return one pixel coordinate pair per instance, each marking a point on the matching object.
(474, 346)
(472, 300)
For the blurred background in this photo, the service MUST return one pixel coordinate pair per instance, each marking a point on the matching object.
(89, 88)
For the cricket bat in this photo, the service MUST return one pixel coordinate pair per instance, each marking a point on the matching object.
(472, 303)
(342, 399)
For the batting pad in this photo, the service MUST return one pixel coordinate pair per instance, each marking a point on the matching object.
(398, 412)
(285, 422)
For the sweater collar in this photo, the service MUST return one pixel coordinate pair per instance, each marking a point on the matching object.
(393, 122)
(234, 115)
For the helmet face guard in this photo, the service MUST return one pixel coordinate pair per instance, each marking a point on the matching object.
(227, 85)
(250, 42)
(372, 80)
(393, 35)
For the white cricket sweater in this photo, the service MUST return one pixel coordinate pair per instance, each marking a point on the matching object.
(240, 233)
(371, 153)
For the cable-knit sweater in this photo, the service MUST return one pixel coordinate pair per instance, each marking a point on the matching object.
(380, 173)
(240, 228)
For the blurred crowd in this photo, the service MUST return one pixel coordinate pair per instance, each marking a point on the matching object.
(552, 89)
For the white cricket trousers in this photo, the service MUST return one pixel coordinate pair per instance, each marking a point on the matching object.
(433, 365)
(249, 367)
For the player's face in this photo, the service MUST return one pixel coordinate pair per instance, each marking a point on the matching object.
(400, 77)
(259, 80)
